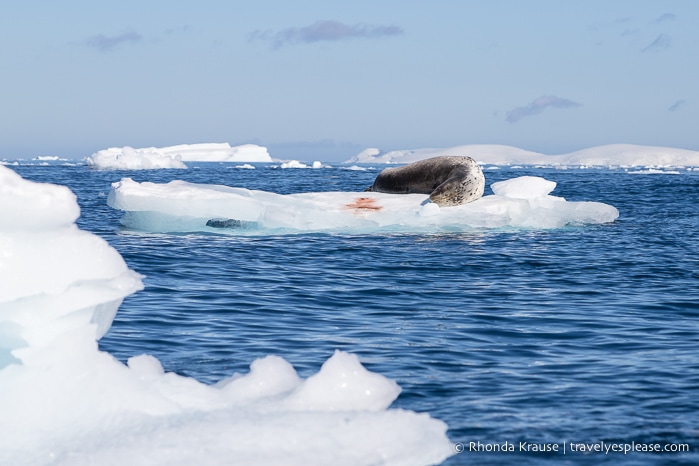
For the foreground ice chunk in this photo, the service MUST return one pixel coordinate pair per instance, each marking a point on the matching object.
(29, 206)
(64, 402)
(180, 206)
(343, 384)
(54, 278)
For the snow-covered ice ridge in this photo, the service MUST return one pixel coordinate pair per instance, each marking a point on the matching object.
(175, 156)
(65, 402)
(179, 206)
(613, 155)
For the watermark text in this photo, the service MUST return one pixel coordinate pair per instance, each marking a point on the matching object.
(569, 447)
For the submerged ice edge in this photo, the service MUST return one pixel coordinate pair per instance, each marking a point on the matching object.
(65, 402)
(182, 207)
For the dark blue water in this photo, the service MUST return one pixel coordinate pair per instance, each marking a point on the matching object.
(581, 334)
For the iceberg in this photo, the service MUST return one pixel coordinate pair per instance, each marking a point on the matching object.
(128, 158)
(175, 156)
(215, 152)
(180, 206)
(612, 155)
(65, 402)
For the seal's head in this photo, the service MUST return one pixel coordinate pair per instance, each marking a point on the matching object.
(465, 184)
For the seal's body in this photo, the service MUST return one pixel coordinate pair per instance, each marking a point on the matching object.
(449, 180)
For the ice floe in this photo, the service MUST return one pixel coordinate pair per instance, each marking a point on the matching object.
(180, 206)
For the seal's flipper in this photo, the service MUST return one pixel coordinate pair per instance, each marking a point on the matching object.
(465, 184)
(449, 193)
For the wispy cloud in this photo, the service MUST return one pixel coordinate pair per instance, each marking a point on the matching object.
(177, 30)
(326, 30)
(629, 32)
(539, 105)
(107, 43)
(663, 41)
(665, 17)
(676, 106)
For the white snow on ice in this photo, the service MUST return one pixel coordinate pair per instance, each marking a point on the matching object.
(180, 206)
(64, 402)
(175, 156)
(613, 155)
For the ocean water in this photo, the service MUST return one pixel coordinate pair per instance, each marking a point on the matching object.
(575, 335)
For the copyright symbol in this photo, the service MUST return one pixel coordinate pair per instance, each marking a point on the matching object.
(459, 447)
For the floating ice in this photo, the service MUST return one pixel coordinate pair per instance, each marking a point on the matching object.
(179, 206)
(613, 155)
(654, 171)
(355, 168)
(293, 164)
(297, 164)
(214, 152)
(524, 187)
(64, 402)
(128, 158)
(174, 156)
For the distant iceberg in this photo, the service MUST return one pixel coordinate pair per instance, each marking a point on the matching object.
(179, 206)
(63, 401)
(629, 155)
(175, 156)
(215, 152)
(128, 158)
(614, 155)
(482, 153)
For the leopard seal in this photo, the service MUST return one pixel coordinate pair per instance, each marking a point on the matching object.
(449, 180)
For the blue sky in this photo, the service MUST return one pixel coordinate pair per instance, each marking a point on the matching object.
(326, 79)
